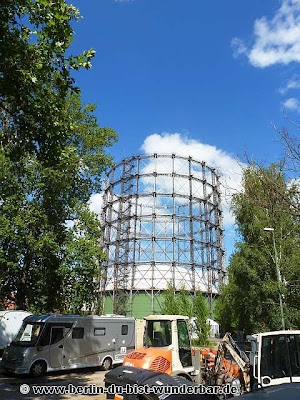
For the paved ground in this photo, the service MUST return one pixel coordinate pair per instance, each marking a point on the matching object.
(10, 385)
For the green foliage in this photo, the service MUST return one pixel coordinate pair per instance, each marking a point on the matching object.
(51, 159)
(250, 301)
(182, 303)
(201, 313)
(170, 304)
(81, 267)
(177, 303)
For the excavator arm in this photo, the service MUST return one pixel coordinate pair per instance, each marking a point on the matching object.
(228, 345)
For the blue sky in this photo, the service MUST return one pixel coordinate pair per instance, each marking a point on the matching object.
(215, 72)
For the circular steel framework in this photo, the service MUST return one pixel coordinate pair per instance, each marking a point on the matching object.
(162, 223)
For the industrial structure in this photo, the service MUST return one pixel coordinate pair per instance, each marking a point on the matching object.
(162, 224)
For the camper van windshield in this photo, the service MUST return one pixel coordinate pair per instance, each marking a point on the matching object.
(28, 334)
(280, 356)
(159, 333)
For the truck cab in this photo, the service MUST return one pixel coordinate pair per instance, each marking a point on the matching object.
(275, 357)
(167, 346)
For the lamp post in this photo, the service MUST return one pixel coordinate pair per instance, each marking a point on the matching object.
(278, 276)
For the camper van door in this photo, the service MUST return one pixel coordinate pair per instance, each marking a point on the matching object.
(124, 340)
(56, 347)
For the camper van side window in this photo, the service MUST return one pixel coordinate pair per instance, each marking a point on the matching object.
(99, 331)
(77, 333)
(57, 334)
(124, 330)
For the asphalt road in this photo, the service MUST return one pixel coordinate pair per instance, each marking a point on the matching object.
(10, 385)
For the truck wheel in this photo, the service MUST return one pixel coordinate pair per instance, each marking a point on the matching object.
(39, 368)
(107, 364)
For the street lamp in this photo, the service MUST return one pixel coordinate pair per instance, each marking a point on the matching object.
(278, 276)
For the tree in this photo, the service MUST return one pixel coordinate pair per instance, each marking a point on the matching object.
(291, 161)
(177, 302)
(182, 303)
(81, 267)
(250, 301)
(291, 143)
(51, 156)
(201, 313)
(171, 305)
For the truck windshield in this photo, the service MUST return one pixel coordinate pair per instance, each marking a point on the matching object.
(280, 357)
(159, 333)
(28, 334)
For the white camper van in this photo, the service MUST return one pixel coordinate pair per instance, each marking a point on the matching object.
(57, 342)
(10, 323)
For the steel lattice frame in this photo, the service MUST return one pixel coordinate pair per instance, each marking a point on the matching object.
(162, 223)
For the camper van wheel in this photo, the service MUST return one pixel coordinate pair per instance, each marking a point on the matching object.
(39, 368)
(107, 364)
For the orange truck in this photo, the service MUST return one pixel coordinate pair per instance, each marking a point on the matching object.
(166, 347)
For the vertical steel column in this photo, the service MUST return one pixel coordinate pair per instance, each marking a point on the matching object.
(173, 223)
(153, 247)
(134, 238)
(140, 232)
(218, 229)
(120, 297)
(221, 259)
(207, 238)
(105, 241)
(192, 258)
(107, 226)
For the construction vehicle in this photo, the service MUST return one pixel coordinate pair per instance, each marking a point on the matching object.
(273, 358)
(231, 365)
(167, 347)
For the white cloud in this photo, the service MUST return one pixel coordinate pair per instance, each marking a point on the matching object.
(277, 40)
(229, 167)
(238, 47)
(96, 203)
(291, 84)
(292, 104)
